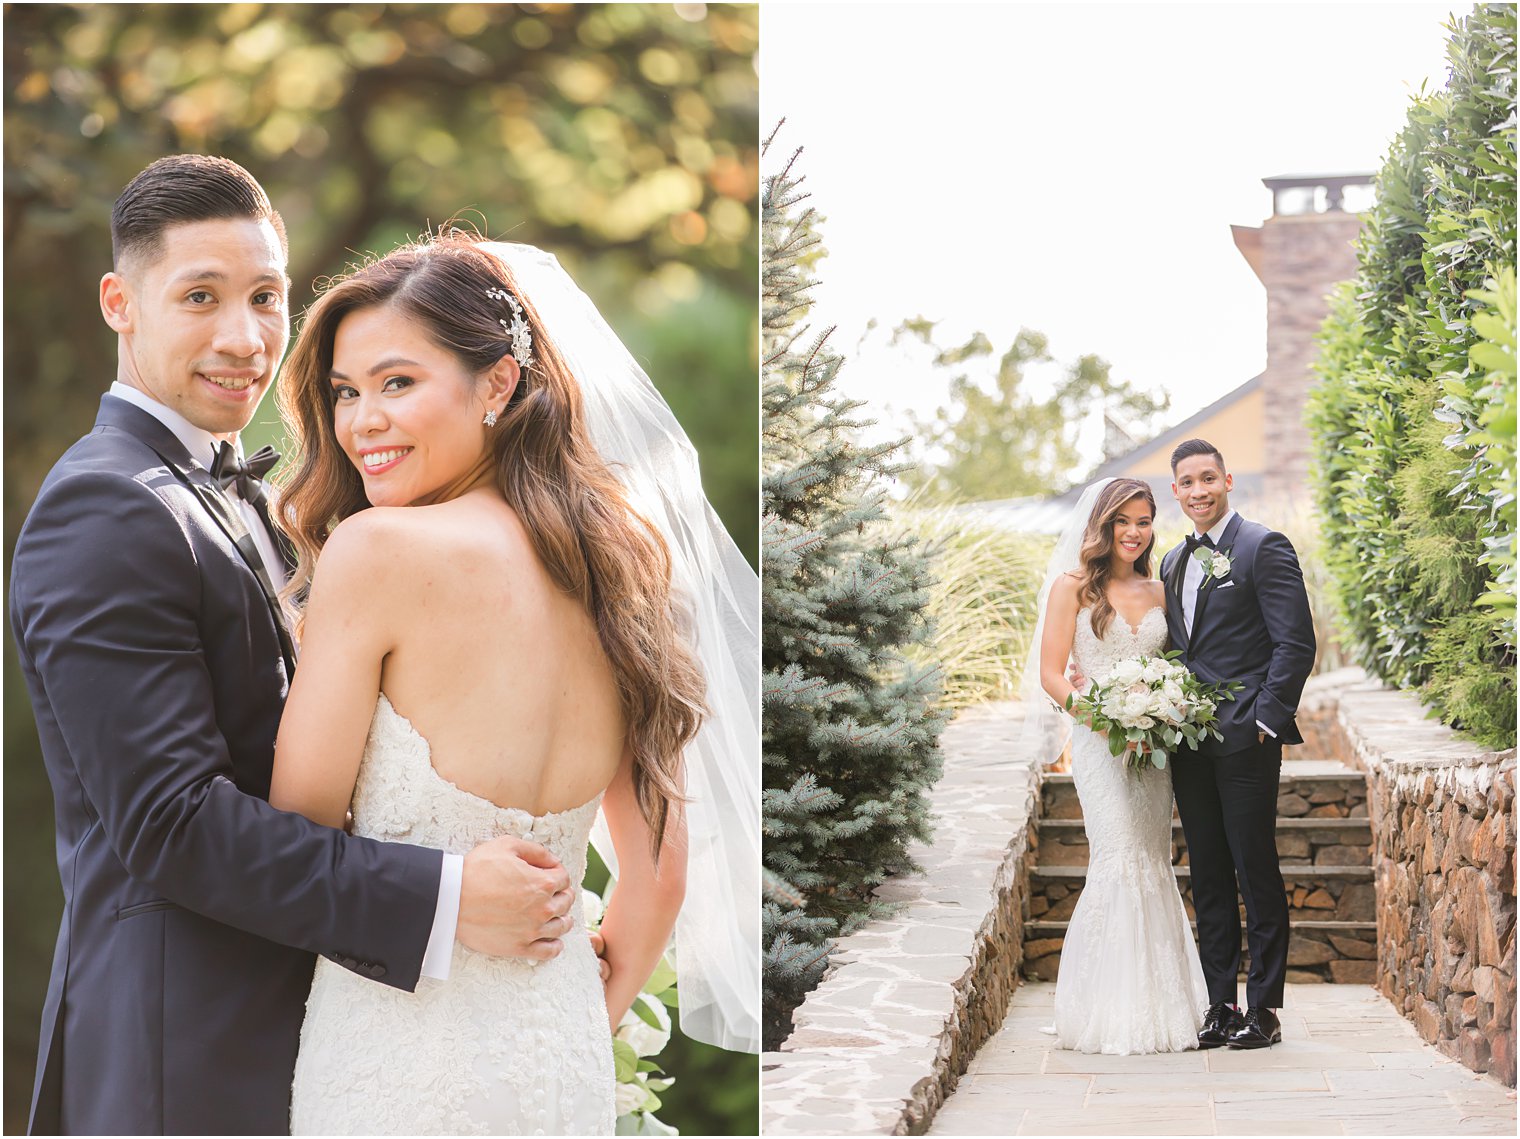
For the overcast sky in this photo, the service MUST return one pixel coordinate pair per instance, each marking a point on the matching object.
(1074, 168)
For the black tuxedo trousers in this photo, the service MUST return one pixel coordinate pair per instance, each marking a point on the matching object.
(1228, 808)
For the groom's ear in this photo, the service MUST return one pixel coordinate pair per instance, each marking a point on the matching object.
(116, 302)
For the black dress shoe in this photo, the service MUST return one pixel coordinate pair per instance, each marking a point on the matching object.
(1221, 1020)
(1260, 1030)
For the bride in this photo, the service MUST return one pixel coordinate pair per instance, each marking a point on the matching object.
(1129, 980)
(504, 634)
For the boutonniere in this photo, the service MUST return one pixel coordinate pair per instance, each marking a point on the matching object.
(1216, 563)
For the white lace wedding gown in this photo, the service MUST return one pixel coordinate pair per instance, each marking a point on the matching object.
(1129, 979)
(505, 1046)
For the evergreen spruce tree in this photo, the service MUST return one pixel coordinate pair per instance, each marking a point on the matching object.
(851, 728)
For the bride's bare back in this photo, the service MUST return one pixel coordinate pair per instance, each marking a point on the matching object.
(448, 611)
(496, 667)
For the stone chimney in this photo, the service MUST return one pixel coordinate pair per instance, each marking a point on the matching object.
(1300, 254)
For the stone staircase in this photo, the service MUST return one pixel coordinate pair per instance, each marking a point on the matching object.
(1324, 841)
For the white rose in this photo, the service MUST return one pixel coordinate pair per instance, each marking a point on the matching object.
(1155, 669)
(591, 907)
(1219, 566)
(1172, 691)
(1125, 673)
(1137, 704)
(644, 1040)
(630, 1097)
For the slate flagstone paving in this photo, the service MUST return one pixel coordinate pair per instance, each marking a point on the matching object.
(1349, 1064)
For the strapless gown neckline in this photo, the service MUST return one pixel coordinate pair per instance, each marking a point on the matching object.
(384, 708)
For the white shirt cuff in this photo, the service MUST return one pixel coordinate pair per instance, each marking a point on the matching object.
(1266, 729)
(440, 947)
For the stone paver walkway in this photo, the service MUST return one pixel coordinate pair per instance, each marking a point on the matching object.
(875, 1042)
(1349, 1064)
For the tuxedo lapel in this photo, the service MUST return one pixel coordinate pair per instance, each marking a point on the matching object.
(1178, 572)
(138, 423)
(1206, 587)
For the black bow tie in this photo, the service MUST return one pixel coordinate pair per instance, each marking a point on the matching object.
(1196, 540)
(226, 470)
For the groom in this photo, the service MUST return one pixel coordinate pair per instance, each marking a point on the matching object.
(1237, 609)
(144, 610)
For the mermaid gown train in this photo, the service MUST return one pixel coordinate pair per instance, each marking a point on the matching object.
(505, 1046)
(1129, 979)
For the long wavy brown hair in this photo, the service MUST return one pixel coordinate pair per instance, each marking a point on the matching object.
(1098, 548)
(583, 528)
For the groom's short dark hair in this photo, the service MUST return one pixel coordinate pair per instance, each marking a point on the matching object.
(1190, 447)
(185, 188)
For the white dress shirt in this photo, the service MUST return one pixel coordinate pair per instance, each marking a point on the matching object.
(202, 446)
(1192, 582)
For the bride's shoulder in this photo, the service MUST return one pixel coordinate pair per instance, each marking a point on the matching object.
(365, 547)
(405, 538)
(1069, 581)
(1065, 587)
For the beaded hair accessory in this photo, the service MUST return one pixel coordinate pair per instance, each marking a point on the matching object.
(522, 336)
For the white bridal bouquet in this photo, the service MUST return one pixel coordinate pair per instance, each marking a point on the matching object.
(1153, 703)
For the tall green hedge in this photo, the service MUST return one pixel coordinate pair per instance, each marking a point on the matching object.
(1415, 419)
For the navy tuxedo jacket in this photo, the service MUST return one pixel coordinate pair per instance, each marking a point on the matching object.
(192, 908)
(1254, 626)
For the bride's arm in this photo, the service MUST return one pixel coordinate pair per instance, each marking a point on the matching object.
(332, 697)
(643, 907)
(1060, 632)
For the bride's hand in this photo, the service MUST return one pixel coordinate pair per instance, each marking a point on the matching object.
(514, 900)
(599, 947)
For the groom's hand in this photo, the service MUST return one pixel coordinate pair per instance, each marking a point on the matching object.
(514, 900)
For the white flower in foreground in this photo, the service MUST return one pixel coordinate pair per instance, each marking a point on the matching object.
(643, 1123)
(630, 1097)
(643, 1039)
(1125, 673)
(1155, 669)
(591, 908)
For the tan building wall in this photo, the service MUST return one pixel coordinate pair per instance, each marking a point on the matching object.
(1236, 430)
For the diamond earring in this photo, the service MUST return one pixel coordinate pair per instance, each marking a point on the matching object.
(491, 418)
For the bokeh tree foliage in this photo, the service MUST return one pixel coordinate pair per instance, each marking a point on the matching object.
(622, 137)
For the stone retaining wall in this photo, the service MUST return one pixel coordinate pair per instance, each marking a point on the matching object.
(907, 1000)
(1443, 823)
